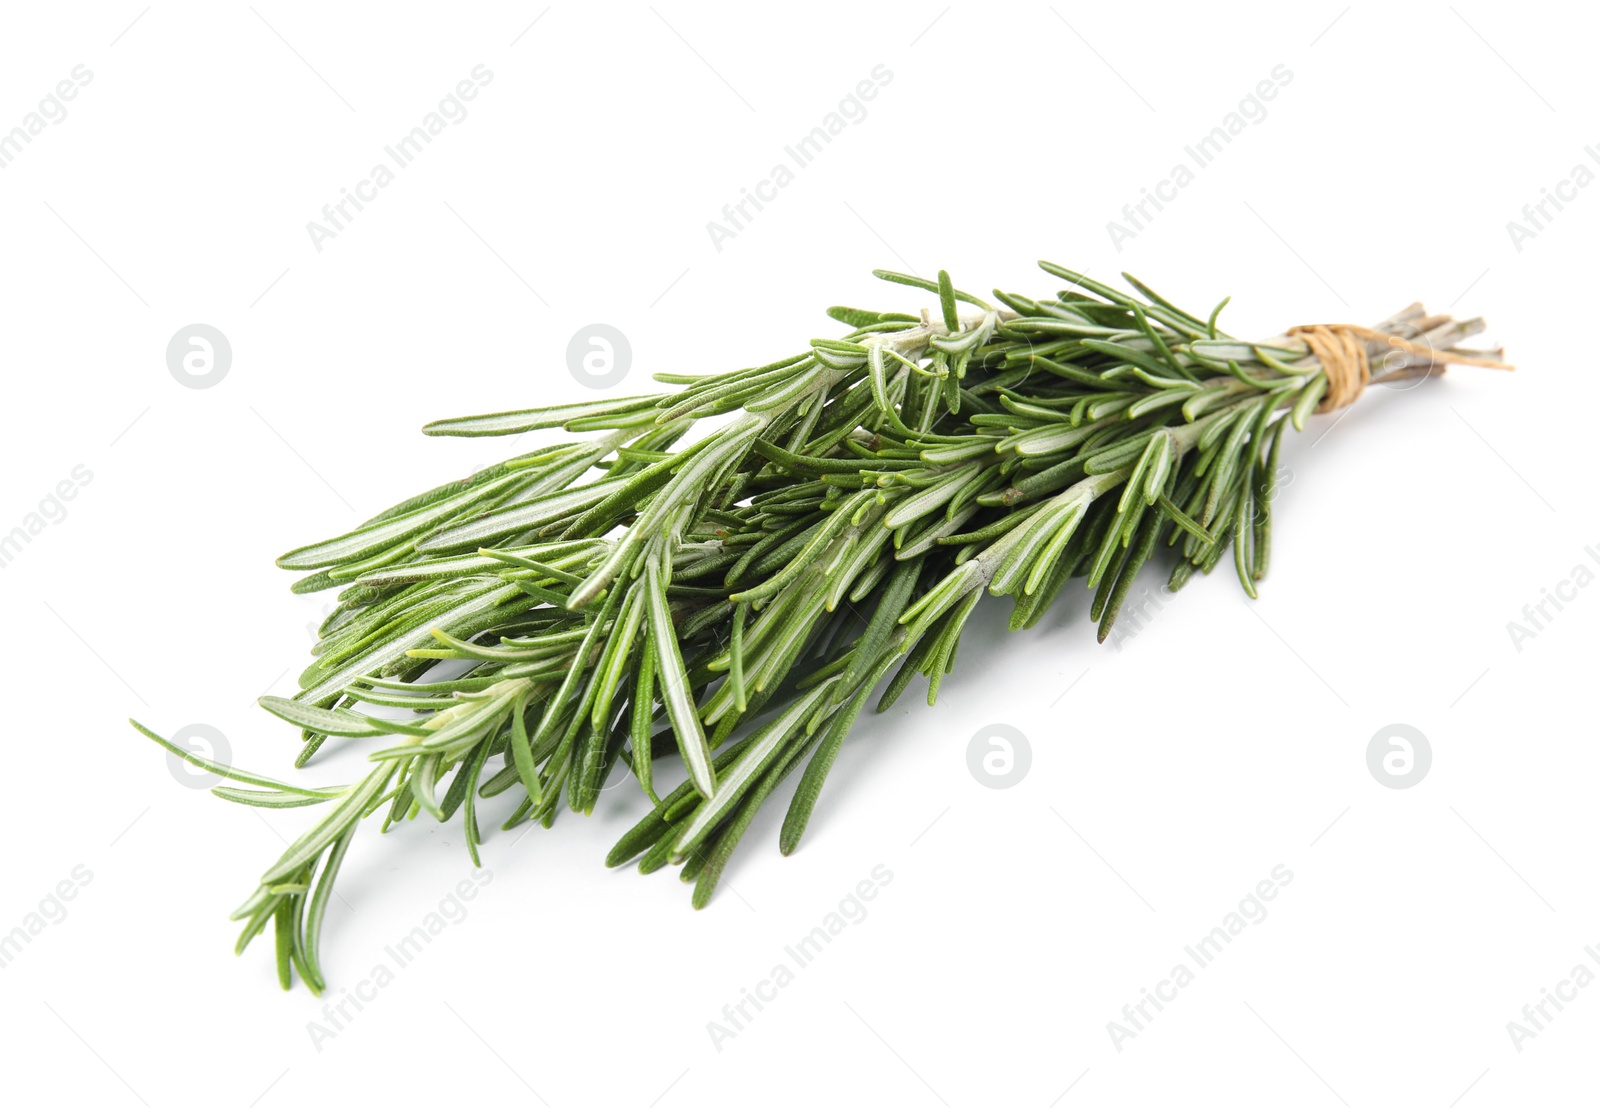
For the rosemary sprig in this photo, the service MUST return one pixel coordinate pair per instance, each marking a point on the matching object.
(653, 588)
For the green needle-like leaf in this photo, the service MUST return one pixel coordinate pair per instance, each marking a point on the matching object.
(673, 680)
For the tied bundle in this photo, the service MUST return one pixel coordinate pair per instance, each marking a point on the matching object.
(726, 573)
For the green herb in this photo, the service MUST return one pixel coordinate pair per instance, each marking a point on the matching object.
(737, 595)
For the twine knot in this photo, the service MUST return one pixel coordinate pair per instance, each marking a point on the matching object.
(1342, 352)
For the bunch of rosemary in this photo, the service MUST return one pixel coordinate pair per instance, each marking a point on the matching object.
(641, 591)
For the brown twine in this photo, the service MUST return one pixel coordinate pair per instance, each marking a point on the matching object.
(1341, 351)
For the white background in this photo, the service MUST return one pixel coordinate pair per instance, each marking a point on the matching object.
(1225, 738)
